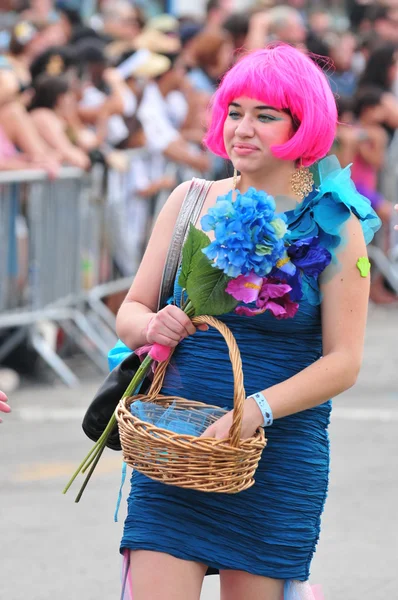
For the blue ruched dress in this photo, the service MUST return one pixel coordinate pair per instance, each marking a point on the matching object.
(272, 528)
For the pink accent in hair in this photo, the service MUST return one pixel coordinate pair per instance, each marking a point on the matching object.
(285, 78)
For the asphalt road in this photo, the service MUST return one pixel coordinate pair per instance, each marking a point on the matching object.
(54, 549)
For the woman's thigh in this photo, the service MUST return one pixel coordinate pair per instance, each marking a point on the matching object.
(240, 585)
(160, 576)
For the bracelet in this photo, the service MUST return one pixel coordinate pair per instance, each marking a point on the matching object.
(265, 408)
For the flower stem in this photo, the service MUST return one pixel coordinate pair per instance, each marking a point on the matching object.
(98, 456)
(139, 377)
(102, 440)
(96, 451)
(189, 309)
(81, 466)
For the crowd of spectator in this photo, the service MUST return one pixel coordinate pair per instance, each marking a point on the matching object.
(75, 91)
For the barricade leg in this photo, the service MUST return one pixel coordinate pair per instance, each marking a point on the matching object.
(52, 359)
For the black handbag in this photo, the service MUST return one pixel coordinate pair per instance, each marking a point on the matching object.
(111, 391)
(106, 399)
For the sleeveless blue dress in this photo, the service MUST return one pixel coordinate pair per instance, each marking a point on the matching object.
(272, 528)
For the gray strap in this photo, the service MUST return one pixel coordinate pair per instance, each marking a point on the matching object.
(189, 213)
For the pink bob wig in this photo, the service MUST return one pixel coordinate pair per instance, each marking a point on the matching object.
(287, 79)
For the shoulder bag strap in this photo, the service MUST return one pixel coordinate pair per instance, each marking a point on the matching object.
(189, 213)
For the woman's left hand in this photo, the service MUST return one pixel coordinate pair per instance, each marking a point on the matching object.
(252, 420)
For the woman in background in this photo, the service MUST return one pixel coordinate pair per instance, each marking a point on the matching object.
(54, 111)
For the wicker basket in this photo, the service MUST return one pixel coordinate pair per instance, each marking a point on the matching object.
(186, 461)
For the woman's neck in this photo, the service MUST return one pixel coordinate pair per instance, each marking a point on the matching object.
(276, 181)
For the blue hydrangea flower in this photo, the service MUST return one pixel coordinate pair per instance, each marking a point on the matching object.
(249, 236)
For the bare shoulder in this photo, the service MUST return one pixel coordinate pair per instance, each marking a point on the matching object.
(174, 202)
(46, 118)
(219, 188)
(354, 234)
(222, 186)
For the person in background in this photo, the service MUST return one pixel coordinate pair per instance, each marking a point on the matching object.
(22, 142)
(366, 43)
(320, 21)
(10, 87)
(362, 142)
(129, 200)
(381, 19)
(217, 11)
(40, 12)
(56, 60)
(368, 163)
(212, 53)
(12, 160)
(22, 50)
(280, 23)
(121, 20)
(286, 24)
(237, 25)
(54, 112)
(105, 97)
(4, 407)
(369, 158)
(154, 114)
(382, 71)
(342, 78)
(187, 34)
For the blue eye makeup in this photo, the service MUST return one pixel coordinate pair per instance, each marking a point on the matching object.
(268, 118)
(233, 114)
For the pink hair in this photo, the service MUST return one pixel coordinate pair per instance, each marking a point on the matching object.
(285, 78)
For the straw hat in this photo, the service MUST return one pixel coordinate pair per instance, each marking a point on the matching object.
(154, 66)
(156, 41)
(164, 23)
(115, 49)
(144, 63)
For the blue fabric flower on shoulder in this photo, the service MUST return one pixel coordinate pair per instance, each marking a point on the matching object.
(324, 211)
(320, 217)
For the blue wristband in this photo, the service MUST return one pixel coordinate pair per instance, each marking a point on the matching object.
(265, 408)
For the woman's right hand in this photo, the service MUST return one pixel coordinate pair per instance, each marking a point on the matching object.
(169, 326)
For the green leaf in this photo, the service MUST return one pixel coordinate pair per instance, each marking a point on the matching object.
(193, 246)
(206, 288)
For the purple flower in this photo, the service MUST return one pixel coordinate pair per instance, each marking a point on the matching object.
(273, 296)
(245, 288)
(308, 259)
(309, 256)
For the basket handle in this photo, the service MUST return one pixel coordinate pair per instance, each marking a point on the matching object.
(236, 361)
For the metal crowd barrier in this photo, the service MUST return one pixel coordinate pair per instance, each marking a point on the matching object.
(47, 231)
(57, 259)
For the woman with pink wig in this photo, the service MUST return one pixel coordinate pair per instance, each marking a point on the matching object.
(273, 116)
